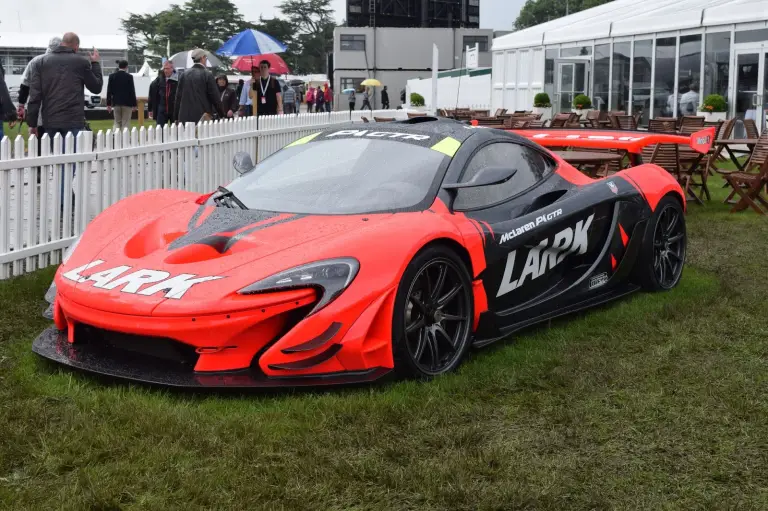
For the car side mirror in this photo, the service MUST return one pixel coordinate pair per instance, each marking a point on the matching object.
(243, 163)
(486, 177)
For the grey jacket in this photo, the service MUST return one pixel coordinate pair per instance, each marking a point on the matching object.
(57, 81)
(197, 95)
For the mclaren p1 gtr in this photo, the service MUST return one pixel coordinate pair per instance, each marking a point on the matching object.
(363, 250)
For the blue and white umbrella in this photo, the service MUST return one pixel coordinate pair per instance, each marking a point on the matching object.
(251, 42)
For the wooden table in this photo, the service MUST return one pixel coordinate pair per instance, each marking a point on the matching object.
(749, 142)
(596, 158)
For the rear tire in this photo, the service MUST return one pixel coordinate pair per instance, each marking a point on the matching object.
(662, 255)
(433, 315)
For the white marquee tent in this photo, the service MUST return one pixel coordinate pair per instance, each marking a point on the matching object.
(629, 55)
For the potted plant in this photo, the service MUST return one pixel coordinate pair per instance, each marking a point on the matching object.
(714, 108)
(581, 105)
(542, 105)
(417, 101)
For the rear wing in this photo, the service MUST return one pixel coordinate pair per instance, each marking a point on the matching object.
(630, 141)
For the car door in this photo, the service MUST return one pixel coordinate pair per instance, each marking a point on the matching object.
(543, 238)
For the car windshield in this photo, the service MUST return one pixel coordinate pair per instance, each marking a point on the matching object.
(343, 176)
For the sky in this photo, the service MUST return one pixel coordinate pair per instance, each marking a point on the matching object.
(99, 17)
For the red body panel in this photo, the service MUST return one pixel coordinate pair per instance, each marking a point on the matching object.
(231, 328)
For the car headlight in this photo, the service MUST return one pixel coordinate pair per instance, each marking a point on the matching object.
(50, 295)
(331, 276)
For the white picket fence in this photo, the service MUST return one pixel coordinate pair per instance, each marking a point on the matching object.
(36, 225)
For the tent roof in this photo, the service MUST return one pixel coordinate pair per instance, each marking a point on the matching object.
(628, 17)
(40, 40)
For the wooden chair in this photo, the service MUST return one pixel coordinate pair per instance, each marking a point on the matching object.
(384, 119)
(516, 123)
(560, 120)
(663, 125)
(750, 187)
(689, 122)
(724, 129)
(365, 119)
(411, 115)
(495, 122)
(626, 122)
(756, 160)
(751, 128)
(500, 112)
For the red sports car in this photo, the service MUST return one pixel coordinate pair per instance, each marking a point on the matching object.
(361, 250)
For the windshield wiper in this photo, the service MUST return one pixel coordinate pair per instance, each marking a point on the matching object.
(228, 198)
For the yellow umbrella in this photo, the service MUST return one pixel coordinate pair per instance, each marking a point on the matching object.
(371, 82)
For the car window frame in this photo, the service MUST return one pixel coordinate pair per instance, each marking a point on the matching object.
(547, 158)
(429, 198)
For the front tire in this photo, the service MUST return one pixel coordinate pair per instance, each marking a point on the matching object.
(433, 316)
(660, 266)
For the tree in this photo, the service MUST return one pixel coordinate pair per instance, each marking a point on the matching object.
(313, 23)
(535, 12)
(203, 24)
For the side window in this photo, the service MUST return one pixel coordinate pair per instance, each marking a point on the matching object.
(531, 168)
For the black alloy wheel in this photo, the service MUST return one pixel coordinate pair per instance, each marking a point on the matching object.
(436, 316)
(669, 247)
(662, 255)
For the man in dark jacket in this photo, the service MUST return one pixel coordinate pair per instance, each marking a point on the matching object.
(57, 81)
(162, 95)
(121, 96)
(197, 97)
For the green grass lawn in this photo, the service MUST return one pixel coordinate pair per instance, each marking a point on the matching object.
(659, 401)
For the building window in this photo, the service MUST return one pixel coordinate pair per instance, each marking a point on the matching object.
(602, 69)
(576, 51)
(689, 75)
(641, 79)
(751, 36)
(352, 83)
(620, 84)
(351, 42)
(549, 72)
(664, 79)
(716, 63)
(471, 40)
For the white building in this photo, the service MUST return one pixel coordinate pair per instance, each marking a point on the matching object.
(18, 48)
(629, 55)
(395, 55)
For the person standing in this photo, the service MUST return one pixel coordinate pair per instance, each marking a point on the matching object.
(319, 100)
(162, 95)
(385, 98)
(56, 84)
(366, 101)
(352, 100)
(328, 93)
(289, 100)
(265, 93)
(246, 106)
(24, 89)
(310, 97)
(197, 97)
(228, 96)
(121, 96)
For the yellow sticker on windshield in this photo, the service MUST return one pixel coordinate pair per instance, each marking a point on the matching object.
(303, 140)
(447, 146)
